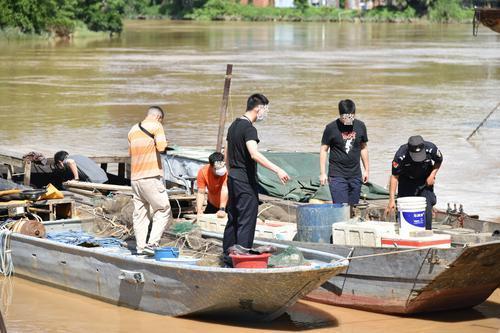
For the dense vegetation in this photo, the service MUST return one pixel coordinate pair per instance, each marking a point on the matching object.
(400, 11)
(62, 17)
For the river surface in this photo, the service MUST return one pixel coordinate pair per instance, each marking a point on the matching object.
(84, 95)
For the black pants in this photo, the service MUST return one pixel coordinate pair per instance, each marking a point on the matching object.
(210, 209)
(241, 215)
(411, 189)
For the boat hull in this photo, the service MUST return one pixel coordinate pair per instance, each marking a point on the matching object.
(163, 288)
(402, 282)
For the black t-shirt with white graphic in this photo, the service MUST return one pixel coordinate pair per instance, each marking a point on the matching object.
(345, 147)
(241, 165)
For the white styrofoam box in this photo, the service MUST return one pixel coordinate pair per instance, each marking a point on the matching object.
(368, 233)
(267, 229)
(436, 240)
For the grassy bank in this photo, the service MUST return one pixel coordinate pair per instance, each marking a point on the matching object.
(227, 10)
(80, 32)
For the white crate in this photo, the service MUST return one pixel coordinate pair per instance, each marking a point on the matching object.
(367, 233)
(268, 229)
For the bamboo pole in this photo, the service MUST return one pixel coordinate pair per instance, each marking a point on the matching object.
(484, 120)
(223, 107)
(97, 186)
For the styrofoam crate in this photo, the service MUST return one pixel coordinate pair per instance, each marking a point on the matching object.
(436, 240)
(367, 233)
(268, 229)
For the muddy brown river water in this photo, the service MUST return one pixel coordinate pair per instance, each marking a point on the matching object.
(82, 96)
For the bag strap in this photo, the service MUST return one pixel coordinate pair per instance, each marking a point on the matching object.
(146, 131)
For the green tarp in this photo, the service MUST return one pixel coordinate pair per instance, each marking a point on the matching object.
(303, 168)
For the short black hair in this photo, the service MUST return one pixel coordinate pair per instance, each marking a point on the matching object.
(157, 109)
(60, 156)
(347, 106)
(215, 157)
(256, 100)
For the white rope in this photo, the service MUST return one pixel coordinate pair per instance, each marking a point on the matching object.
(6, 265)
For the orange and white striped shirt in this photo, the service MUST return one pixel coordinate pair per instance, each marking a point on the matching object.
(145, 151)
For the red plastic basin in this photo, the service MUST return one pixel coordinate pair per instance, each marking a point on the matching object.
(250, 260)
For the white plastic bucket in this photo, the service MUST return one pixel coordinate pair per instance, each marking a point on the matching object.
(411, 211)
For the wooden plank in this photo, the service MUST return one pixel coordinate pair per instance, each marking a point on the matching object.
(111, 159)
(9, 160)
(97, 186)
(27, 173)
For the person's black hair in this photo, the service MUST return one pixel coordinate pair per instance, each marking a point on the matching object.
(256, 100)
(157, 108)
(215, 157)
(60, 156)
(347, 106)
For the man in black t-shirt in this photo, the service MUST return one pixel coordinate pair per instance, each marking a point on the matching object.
(414, 170)
(346, 139)
(242, 157)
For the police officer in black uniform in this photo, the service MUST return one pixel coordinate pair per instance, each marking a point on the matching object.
(414, 170)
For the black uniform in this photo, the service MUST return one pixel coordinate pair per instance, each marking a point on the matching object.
(242, 185)
(413, 176)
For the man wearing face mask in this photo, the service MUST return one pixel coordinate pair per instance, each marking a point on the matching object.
(346, 140)
(242, 157)
(212, 178)
(414, 170)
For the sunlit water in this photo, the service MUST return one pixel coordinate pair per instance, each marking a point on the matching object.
(83, 96)
(437, 81)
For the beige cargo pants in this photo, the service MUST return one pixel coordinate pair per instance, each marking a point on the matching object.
(150, 200)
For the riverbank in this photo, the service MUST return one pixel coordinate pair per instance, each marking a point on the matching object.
(81, 31)
(226, 10)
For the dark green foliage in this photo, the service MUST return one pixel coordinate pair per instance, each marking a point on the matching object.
(101, 15)
(301, 5)
(59, 16)
(37, 16)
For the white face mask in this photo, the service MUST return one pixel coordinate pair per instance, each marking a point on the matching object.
(221, 171)
(347, 118)
(262, 113)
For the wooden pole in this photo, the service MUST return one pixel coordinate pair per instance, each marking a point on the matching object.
(484, 120)
(96, 186)
(223, 107)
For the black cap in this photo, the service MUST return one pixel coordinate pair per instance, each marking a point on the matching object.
(416, 148)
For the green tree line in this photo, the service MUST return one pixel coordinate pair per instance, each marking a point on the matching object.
(61, 17)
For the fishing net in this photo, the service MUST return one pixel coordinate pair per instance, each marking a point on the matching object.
(290, 257)
(188, 238)
(113, 215)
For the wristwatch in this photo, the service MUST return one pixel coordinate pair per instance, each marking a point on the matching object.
(222, 209)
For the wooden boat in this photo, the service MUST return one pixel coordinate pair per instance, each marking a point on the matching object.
(489, 17)
(408, 281)
(160, 287)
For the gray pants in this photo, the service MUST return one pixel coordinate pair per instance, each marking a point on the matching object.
(150, 201)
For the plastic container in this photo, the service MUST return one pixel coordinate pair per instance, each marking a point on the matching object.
(182, 260)
(367, 233)
(314, 222)
(166, 252)
(411, 213)
(435, 241)
(250, 260)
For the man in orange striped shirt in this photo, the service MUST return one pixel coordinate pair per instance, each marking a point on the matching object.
(146, 141)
